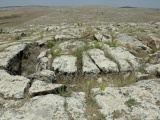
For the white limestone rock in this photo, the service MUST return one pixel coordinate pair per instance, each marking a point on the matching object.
(40, 87)
(12, 86)
(105, 64)
(64, 37)
(49, 107)
(130, 41)
(88, 66)
(65, 64)
(124, 58)
(143, 94)
(10, 53)
(76, 105)
(42, 64)
(45, 75)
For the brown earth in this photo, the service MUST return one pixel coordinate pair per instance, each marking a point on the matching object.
(75, 14)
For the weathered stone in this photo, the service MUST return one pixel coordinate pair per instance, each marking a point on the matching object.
(11, 54)
(102, 62)
(76, 105)
(42, 64)
(45, 75)
(137, 101)
(42, 54)
(41, 87)
(140, 76)
(124, 58)
(67, 46)
(152, 68)
(63, 37)
(101, 38)
(130, 41)
(88, 66)
(12, 86)
(65, 64)
(49, 107)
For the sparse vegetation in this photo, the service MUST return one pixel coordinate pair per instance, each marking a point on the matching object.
(2, 49)
(116, 114)
(55, 53)
(130, 102)
(97, 45)
(50, 44)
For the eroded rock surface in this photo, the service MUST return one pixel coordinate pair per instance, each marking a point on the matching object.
(65, 64)
(105, 64)
(12, 86)
(137, 101)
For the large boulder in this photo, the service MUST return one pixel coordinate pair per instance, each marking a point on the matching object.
(137, 101)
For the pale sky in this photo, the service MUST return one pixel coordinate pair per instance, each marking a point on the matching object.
(118, 3)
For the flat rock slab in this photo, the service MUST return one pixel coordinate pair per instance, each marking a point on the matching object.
(152, 68)
(10, 53)
(64, 37)
(45, 75)
(88, 66)
(41, 87)
(71, 45)
(103, 63)
(137, 101)
(77, 106)
(129, 40)
(49, 107)
(65, 64)
(126, 60)
(12, 86)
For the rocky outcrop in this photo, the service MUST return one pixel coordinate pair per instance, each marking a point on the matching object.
(137, 101)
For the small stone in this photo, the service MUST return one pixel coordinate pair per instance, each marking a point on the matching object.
(100, 80)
